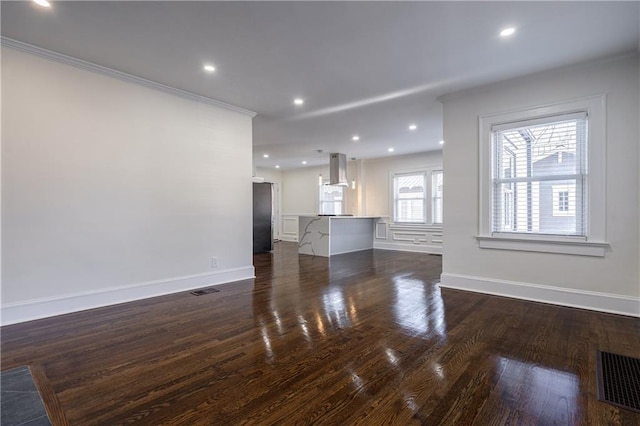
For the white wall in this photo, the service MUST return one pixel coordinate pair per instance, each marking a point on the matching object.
(113, 191)
(299, 197)
(300, 190)
(614, 278)
(269, 175)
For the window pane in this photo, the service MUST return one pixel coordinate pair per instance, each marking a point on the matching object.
(539, 174)
(541, 150)
(331, 199)
(410, 184)
(409, 198)
(542, 207)
(410, 211)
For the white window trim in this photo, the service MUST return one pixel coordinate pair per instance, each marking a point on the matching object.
(595, 244)
(432, 207)
(428, 221)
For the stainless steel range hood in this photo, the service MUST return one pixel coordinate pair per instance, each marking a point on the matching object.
(338, 169)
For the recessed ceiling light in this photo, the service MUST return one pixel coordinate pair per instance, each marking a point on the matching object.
(356, 138)
(298, 101)
(507, 32)
(441, 142)
(43, 3)
(390, 150)
(209, 68)
(265, 155)
(304, 162)
(277, 166)
(412, 127)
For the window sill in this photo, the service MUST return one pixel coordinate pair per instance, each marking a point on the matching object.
(566, 246)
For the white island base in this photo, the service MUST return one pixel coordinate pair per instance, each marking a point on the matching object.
(329, 235)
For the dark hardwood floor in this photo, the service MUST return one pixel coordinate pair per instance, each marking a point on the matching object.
(364, 338)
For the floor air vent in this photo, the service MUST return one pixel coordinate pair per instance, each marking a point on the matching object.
(619, 380)
(204, 291)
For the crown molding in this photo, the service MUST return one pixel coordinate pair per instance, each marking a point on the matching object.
(90, 66)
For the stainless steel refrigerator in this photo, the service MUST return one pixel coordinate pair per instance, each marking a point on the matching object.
(262, 217)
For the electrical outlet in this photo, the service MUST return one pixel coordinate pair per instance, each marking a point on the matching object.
(214, 262)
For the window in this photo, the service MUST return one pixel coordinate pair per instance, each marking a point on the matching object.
(331, 199)
(417, 196)
(542, 178)
(564, 200)
(539, 175)
(409, 195)
(436, 195)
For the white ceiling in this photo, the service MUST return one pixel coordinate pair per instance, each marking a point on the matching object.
(365, 68)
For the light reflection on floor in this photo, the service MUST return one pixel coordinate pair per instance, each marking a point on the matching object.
(391, 356)
(411, 311)
(320, 324)
(303, 325)
(276, 317)
(266, 340)
(335, 309)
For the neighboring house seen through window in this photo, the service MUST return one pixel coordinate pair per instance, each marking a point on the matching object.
(563, 201)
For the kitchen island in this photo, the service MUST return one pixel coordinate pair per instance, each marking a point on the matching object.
(330, 235)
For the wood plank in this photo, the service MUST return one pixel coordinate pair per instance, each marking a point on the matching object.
(49, 398)
(362, 338)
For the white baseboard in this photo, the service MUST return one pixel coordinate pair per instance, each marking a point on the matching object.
(408, 247)
(350, 251)
(293, 239)
(596, 301)
(13, 313)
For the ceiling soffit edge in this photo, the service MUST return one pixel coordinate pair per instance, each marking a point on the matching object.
(518, 79)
